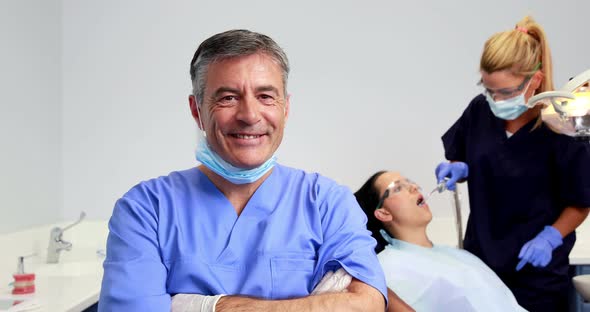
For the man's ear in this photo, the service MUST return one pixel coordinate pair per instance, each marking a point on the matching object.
(193, 105)
(287, 107)
(383, 215)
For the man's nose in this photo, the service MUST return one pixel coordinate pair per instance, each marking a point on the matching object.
(249, 110)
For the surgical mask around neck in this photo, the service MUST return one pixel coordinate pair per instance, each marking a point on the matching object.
(233, 174)
(226, 170)
(508, 109)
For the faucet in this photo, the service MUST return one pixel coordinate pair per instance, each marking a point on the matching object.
(57, 244)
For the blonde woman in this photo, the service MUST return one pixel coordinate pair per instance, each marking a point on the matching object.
(528, 186)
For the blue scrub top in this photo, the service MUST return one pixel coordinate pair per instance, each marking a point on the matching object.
(517, 185)
(180, 234)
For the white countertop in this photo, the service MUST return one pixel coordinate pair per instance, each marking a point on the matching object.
(74, 283)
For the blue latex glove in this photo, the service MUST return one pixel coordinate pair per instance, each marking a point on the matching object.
(539, 249)
(455, 171)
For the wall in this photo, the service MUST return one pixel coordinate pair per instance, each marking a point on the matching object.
(374, 85)
(30, 113)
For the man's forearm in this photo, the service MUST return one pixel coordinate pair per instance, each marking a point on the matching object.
(324, 302)
(360, 297)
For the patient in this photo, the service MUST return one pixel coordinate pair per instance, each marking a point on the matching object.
(427, 277)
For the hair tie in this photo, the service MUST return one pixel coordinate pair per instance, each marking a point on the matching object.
(522, 29)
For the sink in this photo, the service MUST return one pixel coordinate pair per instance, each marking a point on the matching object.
(72, 284)
(69, 269)
(582, 284)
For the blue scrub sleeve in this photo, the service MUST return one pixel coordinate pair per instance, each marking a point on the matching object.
(574, 163)
(134, 275)
(347, 242)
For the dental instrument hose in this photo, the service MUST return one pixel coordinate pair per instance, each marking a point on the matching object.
(458, 219)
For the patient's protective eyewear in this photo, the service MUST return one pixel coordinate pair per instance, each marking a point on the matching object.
(396, 187)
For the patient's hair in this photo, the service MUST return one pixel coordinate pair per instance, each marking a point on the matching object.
(368, 198)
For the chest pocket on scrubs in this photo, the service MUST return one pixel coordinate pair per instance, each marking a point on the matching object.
(291, 277)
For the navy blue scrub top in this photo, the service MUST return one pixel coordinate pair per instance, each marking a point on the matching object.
(516, 185)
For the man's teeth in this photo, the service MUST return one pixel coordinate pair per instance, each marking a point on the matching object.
(246, 136)
(420, 201)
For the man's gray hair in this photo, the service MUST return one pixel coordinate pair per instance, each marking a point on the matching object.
(230, 44)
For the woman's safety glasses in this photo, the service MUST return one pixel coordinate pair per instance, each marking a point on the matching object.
(396, 187)
(505, 93)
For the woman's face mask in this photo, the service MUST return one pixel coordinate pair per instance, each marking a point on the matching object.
(511, 108)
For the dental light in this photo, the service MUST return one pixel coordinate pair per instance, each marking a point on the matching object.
(567, 110)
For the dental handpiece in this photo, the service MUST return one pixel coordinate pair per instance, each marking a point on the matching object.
(441, 187)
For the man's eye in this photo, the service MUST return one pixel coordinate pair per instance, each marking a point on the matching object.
(266, 99)
(228, 100)
(397, 188)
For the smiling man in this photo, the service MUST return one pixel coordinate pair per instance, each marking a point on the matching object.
(239, 232)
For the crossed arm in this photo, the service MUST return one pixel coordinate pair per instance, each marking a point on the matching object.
(359, 297)
(329, 294)
(323, 303)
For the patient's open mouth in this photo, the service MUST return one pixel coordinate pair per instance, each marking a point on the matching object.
(420, 201)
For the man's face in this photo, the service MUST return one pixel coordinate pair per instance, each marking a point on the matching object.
(244, 109)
